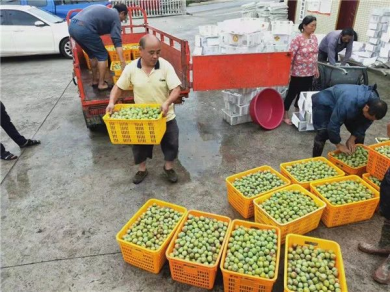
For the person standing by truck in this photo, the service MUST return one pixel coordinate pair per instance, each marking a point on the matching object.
(154, 80)
(87, 27)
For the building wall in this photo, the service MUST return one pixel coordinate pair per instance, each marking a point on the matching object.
(327, 23)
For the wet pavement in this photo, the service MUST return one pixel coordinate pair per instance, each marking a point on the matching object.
(63, 202)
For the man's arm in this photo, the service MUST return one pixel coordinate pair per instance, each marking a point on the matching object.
(332, 45)
(348, 53)
(117, 40)
(173, 96)
(115, 93)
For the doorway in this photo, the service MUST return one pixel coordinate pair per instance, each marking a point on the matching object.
(292, 8)
(347, 13)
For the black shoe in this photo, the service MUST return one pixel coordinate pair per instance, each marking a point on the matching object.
(171, 174)
(140, 176)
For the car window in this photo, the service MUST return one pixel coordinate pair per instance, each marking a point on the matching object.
(3, 18)
(37, 3)
(10, 2)
(21, 18)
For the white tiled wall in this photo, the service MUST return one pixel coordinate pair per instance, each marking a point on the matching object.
(327, 23)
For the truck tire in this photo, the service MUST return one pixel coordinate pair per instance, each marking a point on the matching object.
(66, 49)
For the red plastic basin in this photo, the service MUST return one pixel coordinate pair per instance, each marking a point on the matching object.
(267, 109)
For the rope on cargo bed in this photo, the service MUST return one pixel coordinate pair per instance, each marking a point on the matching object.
(40, 126)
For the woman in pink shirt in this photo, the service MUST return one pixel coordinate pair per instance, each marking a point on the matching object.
(304, 48)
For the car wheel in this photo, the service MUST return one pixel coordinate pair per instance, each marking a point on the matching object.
(66, 49)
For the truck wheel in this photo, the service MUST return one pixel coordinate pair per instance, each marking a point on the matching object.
(66, 49)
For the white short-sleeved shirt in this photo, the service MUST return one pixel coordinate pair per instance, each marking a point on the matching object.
(154, 88)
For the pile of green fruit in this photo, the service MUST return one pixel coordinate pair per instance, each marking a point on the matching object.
(286, 206)
(252, 252)
(345, 192)
(375, 180)
(384, 150)
(357, 159)
(311, 170)
(200, 240)
(137, 113)
(153, 227)
(312, 269)
(256, 183)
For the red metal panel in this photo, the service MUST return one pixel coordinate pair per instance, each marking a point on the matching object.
(219, 72)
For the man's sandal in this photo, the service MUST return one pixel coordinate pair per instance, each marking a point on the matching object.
(8, 156)
(30, 143)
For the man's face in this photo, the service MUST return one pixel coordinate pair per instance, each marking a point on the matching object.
(367, 115)
(346, 38)
(123, 16)
(151, 52)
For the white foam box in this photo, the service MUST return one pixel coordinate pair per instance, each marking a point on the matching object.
(234, 109)
(235, 119)
(370, 48)
(249, 40)
(210, 50)
(274, 48)
(384, 53)
(244, 97)
(198, 51)
(281, 39)
(375, 25)
(208, 30)
(242, 25)
(365, 54)
(226, 49)
(282, 27)
(202, 41)
(385, 37)
(301, 124)
(373, 41)
(372, 33)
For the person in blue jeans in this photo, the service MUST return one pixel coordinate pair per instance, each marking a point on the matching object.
(11, 131)
(87, 27)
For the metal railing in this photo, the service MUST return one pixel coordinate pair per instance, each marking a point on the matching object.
(156, 8)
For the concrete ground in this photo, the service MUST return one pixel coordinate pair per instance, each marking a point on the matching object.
(63, 202)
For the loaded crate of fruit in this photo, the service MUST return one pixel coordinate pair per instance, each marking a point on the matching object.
(293, 209)
(114, 55)
(196, 248)
(250, 260)
(305, 171)
(379, 159)
(136, 124)
(313, 264)
(348, 199)
(244, 187)
(372, 181)
(116, 68)
(351, 164)
(145, 238)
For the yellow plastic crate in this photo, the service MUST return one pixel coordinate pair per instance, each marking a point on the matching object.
(300, 225)
(336, 215)
(306, 184)
(345, 167)
(241, 203)
(318, 243)
(193, 273)
(123, 131)
(236, 282)
(378, 164)
(149, 260)
(114, 56)
(116, 68)
(88, 61)
(366, 178)
(135, 52)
